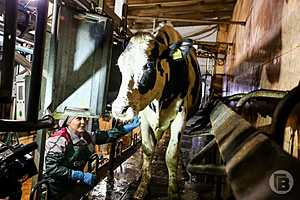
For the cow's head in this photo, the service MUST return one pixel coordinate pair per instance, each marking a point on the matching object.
(141, 75)
(144, 67)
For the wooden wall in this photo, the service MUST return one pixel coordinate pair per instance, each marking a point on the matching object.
(265, 52)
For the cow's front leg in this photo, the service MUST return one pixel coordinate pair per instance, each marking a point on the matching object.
(172, 153)
(148, 150)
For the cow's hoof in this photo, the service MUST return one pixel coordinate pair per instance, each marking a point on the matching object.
(141, 192)
(139, 195)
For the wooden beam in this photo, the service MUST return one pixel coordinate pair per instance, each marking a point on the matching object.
(186, 14)
(163, 4)
(180, 3)
(199, 7)
(142, 24)
(187, 20)
(210, 43)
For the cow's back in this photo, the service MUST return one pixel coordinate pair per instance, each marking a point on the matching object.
(185, 79)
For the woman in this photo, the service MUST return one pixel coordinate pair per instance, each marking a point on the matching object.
(67, 152)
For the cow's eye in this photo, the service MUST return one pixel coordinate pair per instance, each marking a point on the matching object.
(150, 65)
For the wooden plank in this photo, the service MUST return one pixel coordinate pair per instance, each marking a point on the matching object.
(153, 3)
(187, 14)
(141, 25)
(187, 20)
(183, 4)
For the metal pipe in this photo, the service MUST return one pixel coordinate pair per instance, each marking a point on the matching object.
(108, 167)
(25, 126)
(281, 114)
(124, 17)
(37, 188)
(38, 58)
(200, 155)
(82, 5)
(7, 63)
(263, 93)
(18, 39)
(234, 97)
(112, 158)
(207, 169)
(210, 28)
(20, 48)
(52, 54)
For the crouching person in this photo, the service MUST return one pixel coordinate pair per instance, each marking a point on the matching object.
(66, 153)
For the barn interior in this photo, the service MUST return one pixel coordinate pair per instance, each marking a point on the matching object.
(59, 58)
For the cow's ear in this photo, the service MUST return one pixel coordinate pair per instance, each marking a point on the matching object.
(186, 46)
(181, 49)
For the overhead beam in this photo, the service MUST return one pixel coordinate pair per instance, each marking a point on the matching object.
(184, 14)
(187, 20)
(178, 10)
(180, 3)
(142, 25)
(210, 43)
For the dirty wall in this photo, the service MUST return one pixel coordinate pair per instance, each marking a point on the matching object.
(265, 53)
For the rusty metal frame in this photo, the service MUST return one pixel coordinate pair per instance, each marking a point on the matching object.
(38, 60)
(263, 93)
(245, 148)
(32, 122)
(205, 169)
(101, 9)
(7, 62)
(114, 162)
(25, 126)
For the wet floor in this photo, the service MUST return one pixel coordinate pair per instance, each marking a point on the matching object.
(126, 177)
(119, 186)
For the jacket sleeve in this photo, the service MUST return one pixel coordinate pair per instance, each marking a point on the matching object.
(54, 158)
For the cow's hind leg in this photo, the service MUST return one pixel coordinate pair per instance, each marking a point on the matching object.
(172, 153)
(148, 142)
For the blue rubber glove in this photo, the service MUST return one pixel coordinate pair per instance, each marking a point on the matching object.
(131, 125)
(84, 177)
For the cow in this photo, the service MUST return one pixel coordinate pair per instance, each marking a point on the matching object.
(160, 82)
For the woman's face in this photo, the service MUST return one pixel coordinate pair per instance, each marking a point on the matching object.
(78, 124)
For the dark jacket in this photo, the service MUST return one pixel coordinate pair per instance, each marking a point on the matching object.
(65, 151)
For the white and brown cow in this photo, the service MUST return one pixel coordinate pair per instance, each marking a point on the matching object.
(160, 81)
